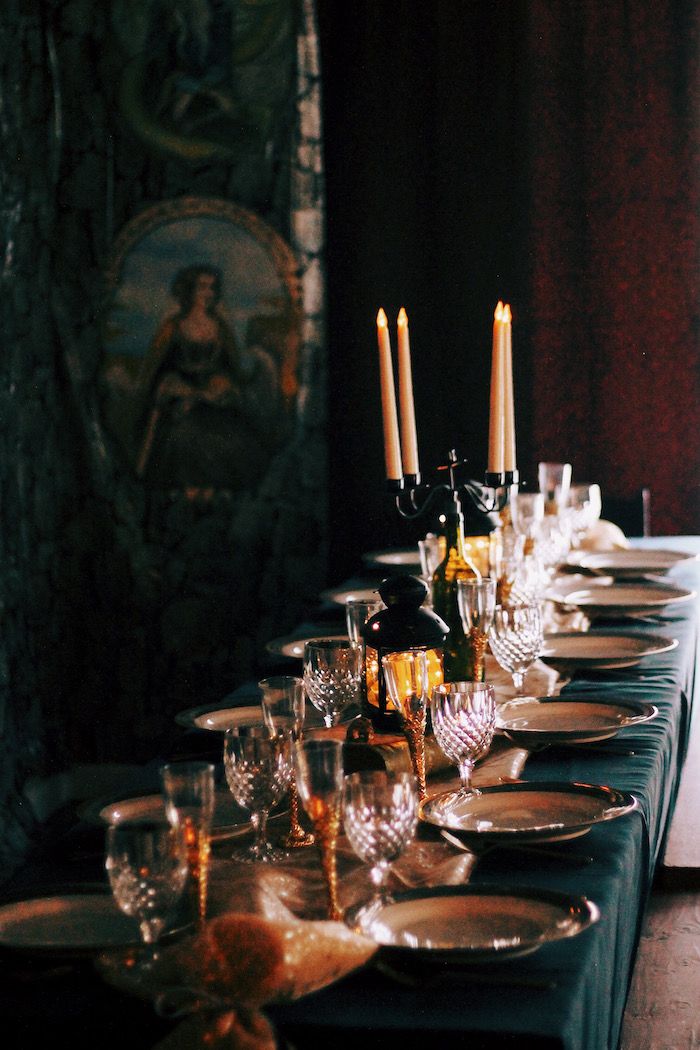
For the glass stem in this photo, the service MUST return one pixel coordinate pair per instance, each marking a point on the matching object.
(518, 682)
(415, 736)
(326, 830)
(259, 822)
(466, 768)
(294, 825)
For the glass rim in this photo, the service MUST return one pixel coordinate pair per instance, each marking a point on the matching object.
(466, 688)
(328, 643)
(187, 765)
(275, 681)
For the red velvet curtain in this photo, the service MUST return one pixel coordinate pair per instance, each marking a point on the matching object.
(615, 234)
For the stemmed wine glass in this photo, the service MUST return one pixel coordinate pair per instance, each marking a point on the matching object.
(380, 814)
(584, 508)
(554, 480)
(464, 720)
(332, 676)
(283, 707)
(318, 765)
(146, 862)
(408, 683)
(258, 770)
(516, 639)
(477, 600)
(189, 794)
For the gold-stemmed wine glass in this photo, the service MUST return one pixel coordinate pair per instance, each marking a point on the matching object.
(189, 794)
(283, 707)
(408, 685)
(476, 599)
(318, 765)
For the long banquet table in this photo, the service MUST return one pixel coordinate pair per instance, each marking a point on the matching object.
(569, 995)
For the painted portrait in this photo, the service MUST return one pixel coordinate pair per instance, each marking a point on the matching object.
(201, 332)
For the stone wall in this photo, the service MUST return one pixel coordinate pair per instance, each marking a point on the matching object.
(122, 606)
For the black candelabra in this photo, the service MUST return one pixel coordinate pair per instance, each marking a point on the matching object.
(414, 498)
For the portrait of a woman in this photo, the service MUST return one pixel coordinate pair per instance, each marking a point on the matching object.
(203, 419)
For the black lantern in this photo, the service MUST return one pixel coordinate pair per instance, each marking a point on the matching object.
(405, 624)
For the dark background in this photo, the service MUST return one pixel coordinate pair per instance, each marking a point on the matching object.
(543, 154)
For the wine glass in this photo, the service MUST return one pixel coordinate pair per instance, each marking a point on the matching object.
(318, 765)
(585, 503)
(357, 612)
(258, 769)
(464, 719)
(332, 676)
(527, 511)
(407, 680)
(380, 815)
(554, 481)
(477, 600)
(516, 639)
(188, 792)
(146, 862)
(283, 707)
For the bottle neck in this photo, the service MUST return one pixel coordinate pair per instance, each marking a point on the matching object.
(455, 554)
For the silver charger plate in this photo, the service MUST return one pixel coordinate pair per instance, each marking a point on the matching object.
(599, 650)
(70, 924)
(470, 923)
(622, 598)
(630, 562)
(526, 812)
(292, 646)
(340, 595)
(230, 820)
(532, 721)
(407, 558)
(219, 719)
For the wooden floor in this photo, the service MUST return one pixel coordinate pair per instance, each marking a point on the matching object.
(663, 1009)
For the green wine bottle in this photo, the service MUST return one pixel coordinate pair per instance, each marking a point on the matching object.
(458, 655)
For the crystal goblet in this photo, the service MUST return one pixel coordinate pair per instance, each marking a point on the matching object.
(516, 639)
(188, 793)
(464, 719)
(258, 768)
(408, 684)
(283, 707)
(477, 600)
(146, 863)
(380, 814)
(332, 676)
(318, 765)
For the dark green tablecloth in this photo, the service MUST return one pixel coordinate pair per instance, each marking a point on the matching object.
(572, 994)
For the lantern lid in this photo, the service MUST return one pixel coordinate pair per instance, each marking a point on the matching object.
(405, 623)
